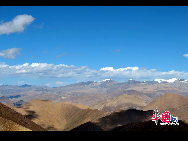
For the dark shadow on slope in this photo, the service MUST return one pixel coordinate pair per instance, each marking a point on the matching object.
(116, 119)
(123, 117)
(48, 127)
(89, 126)
(31, 114)
(51, 128)
(148, 126)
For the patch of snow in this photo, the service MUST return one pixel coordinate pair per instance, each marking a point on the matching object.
(104, 80)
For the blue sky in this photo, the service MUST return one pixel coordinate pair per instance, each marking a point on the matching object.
(95, 38)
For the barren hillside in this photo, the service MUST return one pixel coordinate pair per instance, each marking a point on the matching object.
(10, 120)
(58, 115)
(123, 102)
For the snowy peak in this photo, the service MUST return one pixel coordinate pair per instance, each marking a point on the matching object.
(106, 80)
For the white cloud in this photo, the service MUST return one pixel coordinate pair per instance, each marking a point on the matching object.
(59, 83)
(185, 55)
(10, 53)
(18, 24)
(120, 69)
(107, 69)
(42, 71)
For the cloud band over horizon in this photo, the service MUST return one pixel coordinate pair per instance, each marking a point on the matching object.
(40, 71)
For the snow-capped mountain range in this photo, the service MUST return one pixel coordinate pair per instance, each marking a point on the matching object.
(91, 92)
(171, 80)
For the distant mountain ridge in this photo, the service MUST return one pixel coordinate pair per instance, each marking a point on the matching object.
(7, 100)
(93, 92)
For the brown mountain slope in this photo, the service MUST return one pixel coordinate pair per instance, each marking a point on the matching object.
(175, 103)
(115, 119)
(10, 120)
(58, 115)
(123, 102)
(8, 125)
